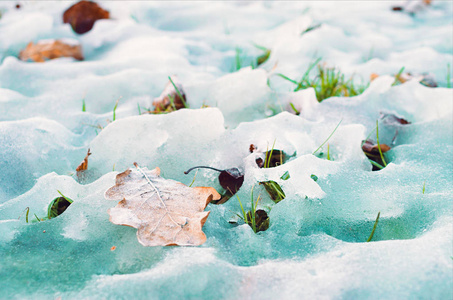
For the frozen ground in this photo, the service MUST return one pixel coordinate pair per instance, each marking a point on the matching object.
(315, 246)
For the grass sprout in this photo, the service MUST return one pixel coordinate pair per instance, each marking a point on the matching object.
(178, 92)
(379, 145)
(328, 82)
(328, 137)
(193, 180)
(374, 228)
(256, 219)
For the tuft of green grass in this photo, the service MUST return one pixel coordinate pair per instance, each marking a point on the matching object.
(267, 161)
(328, 82)
(84, 109)
(328, 137)
(254, 217)
(274, 190)
(374, 228)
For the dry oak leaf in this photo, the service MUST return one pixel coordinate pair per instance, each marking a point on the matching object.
(83, 15)
(164, 211)
(50, 49)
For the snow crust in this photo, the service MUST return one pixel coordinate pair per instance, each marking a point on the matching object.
(315, 246)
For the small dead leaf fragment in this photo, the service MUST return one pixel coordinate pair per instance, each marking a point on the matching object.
(113, 248)
(252, 148)
(164, 211)
(169, 100)
(50, 49)
(397, 8)
(373, 76)
(84, 164)
(82, 16)
(391, 119)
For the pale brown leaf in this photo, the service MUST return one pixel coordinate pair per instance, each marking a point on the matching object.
(46, 50)
(164, 211)
(84, 164)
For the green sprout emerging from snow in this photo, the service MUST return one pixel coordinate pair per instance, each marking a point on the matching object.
(328, 82)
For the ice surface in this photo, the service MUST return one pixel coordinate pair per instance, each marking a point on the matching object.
(316, 245)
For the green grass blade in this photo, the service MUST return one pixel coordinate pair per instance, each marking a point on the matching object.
(379, 145)
(294, 108)
(84, 109)
(193, 180)
(67, 199)
(376, 164)
(287, 78)
(179, 93)
(397, 76)
(328, 137)
(374, 227)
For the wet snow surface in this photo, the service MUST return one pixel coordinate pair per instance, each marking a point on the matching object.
(316, 244)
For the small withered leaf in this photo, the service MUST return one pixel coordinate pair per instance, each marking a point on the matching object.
(46, 50)
(84, 164)
(82, 16)
(370, 147)
(164, 211)
(391, 119)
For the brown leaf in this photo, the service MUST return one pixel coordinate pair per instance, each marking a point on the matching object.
(371, 147)
(164, 211)
(45, 50)
(83, 15)
(83, 165)
(169, 100)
